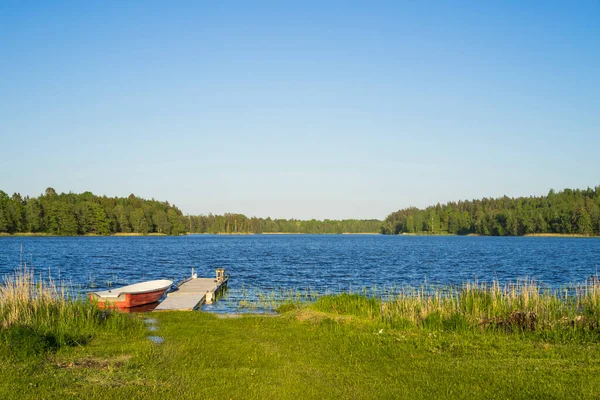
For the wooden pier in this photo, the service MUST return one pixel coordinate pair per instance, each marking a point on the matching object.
(194, 292)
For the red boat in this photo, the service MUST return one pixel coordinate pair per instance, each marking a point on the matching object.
(131, 296)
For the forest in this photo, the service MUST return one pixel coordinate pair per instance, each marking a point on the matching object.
(239, 223)
(571, 211)
(70, 214)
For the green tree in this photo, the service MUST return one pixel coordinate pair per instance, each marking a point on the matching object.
(86, 217)
(101, 223)
(161, 222)
(139, 222)
(33, 216)
(4, 224)
(582, 222)
(122, 216)
(176, 222)
(61, 219)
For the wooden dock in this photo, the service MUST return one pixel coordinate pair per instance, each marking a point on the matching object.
(193, 293)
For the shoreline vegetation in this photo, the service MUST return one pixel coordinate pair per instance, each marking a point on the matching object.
(544, 235)
(562, 235)
(568, 213)
(472, 341)
(135, 234)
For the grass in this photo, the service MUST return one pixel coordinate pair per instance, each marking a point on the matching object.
(476, 341)
(561, 235)
(308, 354)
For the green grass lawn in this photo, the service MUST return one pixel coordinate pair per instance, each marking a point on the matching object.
(304, 354)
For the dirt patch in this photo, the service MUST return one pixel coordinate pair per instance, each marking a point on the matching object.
(582, 322)
(516, 321)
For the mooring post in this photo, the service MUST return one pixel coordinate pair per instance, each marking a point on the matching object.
(220, 274)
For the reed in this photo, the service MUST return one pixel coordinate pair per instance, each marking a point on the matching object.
(524, 305)
(520, 306)
(273, 299)
(44, 311)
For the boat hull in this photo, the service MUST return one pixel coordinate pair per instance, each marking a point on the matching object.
(129, 300)
(130, 296)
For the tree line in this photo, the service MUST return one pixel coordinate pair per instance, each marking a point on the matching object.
(70, 214)
(239, 223)
(571, 211)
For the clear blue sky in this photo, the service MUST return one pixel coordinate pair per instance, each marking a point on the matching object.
(299, 109)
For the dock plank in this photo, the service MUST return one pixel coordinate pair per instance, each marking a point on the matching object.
(191, 294)
(181, 302)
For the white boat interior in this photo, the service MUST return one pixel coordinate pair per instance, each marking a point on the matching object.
(142, 287)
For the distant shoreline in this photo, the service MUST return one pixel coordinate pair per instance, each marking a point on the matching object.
(41, 234)
(134, 234)
(302, 233)
(565, 235)
(558, 235)
(284, 233)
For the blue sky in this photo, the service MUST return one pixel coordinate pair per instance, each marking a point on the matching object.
(336, 110)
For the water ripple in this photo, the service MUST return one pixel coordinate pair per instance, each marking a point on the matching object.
(323, 263)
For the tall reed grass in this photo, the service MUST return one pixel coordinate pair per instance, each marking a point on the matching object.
(524, 305)
(44, 311)
(268, 300)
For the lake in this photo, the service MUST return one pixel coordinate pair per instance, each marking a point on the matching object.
(323, 263)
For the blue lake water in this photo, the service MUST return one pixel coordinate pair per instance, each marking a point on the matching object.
(323, 263)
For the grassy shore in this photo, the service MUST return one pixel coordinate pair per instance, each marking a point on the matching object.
(561, 235)
(310, 355)
(512, 341)
(558, 235)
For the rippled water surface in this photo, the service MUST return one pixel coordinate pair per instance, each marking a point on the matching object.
(321, 262)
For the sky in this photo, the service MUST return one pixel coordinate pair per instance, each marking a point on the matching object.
(302, 110)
